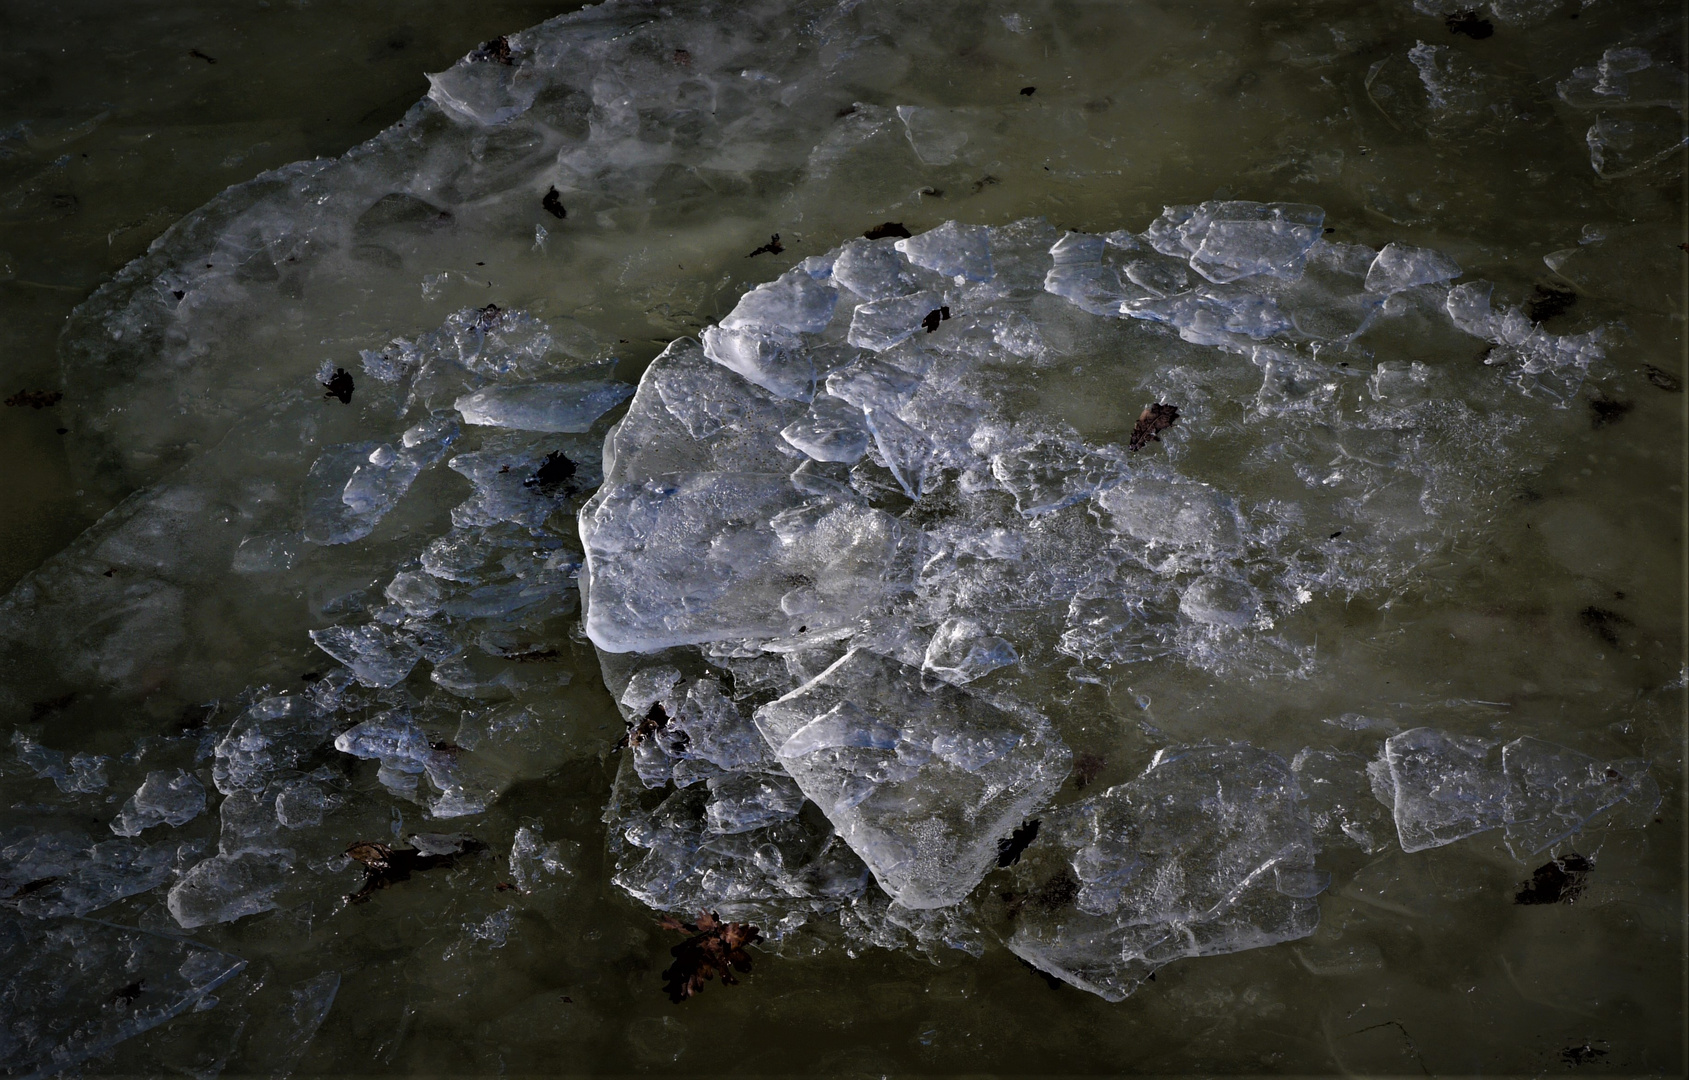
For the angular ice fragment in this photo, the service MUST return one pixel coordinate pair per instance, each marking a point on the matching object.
(224, 888)
(773, 358)
(795, 302)
(926, 825)
(271, 737)
(874, 269)
(485, 92)
(1226, 241)
(1209, 851)
(377, 655)
(1441, 787)
(961, 651)
(907, 449)
(833, 430)
(880, 324)
(745, 801)
(953, 249)
(1177, 514)
(934, 133)
(173, 797)
(1553, 791)
(569, 407)
(85, 774)
(698, 559)
(351, 487)
(1399, 266)
(1049, 474)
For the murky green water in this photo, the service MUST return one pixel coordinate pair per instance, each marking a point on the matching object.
(680, 140)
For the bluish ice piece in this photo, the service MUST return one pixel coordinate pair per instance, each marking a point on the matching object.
(557, 407)
(953, 249)
(1400, 266)
(167, 796)
(1440, 787)
(832, 430)
(921, 781)
(1209, 851)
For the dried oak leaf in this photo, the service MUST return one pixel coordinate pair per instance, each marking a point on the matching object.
(773, 247)
(655, 720)
(488, 317)
(553, 203)
(385, 866)
(35, 399)
(1010, 846)
(339, 386)
(715, 948)
(934, 317)
(1151, 423)
(887, 228)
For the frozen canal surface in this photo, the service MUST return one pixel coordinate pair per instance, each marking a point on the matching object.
(1121, 537)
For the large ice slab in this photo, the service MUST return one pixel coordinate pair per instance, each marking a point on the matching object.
(1209, 851)
(921, 780)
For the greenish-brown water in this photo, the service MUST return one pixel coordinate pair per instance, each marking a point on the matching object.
(1543, 599)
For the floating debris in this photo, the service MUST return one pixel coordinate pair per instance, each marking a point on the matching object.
(35, 399)
(1559, 882)
(553, 203)
(715, 948)
(339, 386)
(773, 247)
(887, 228)
(1151, 423)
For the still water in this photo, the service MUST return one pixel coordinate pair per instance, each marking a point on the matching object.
(311, 598)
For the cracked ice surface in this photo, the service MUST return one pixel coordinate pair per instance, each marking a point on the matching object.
(868, 495)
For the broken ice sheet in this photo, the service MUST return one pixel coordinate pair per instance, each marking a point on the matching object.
(169, 797)
(1443, 787)
(921, 781)
(1208, 851)
(75, 988)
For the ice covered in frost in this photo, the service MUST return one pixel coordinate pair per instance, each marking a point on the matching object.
(1209, 851)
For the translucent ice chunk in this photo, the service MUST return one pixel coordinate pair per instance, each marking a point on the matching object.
(1398, 267)
(1441, 787)
(833, 430)
(795, 301)
(881, 324)
(174, 797)
(1175, 514)
(747, 801)
(224, 888)
(271, 737)
(701, 559)
(961, 651)
(554, 407)
(1220, 601)
(771, 357)
(378, 656)
(952, 249)
(485, 91)
(934, 133)
(350, 488)
(925, 823)
(874, 269)
(1553, 792)
(1226, 241)
(1209, 851)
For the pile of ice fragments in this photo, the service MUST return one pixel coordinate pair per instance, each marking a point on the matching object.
(849, 547)
(860, 555)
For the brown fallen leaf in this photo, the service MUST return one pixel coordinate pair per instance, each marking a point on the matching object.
(655, 720)
(385, 866)
(496, 51)
(1151, 423)
(715, 948)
